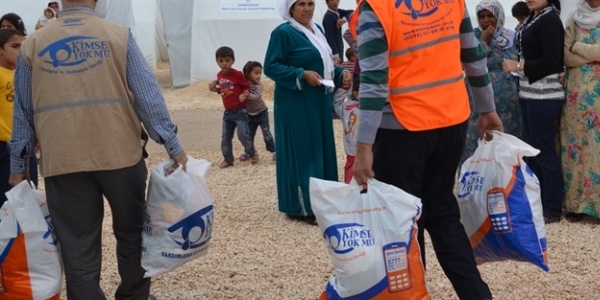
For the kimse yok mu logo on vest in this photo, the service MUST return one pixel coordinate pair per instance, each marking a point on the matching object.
(75, 54)
(195, 230)
(421, 8)
(470, 182)
(344, 238)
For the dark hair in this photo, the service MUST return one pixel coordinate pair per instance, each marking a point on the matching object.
(520, 9)
(249, 66)
(556, 3)
(224, 52)
(349, 53)
(16, 21)
(6, 34)
(52, 3)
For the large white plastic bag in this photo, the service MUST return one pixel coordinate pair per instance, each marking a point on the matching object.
(179, 217)
(500, 203)
(29, 252)
(365, 233)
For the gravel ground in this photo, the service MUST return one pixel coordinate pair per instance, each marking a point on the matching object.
(256, 253)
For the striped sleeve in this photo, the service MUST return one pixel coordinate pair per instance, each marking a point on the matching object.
(373, 91)
(474, 60)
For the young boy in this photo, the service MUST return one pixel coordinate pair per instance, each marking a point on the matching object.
(347, 110)
(333, 20)
(520, 11)
(349, 63)
(233, 87)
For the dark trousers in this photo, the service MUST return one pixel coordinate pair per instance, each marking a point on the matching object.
(424, 164)
(262, 120)
(77, 209)
(540, 127)
(233, 119)
(5, 171)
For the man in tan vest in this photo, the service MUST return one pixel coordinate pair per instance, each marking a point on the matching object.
(82, 87)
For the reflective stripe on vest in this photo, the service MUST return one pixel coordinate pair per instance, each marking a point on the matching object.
(427, 90)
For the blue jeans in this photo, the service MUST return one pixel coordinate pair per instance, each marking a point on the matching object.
(232, 119)
(540, 127)
(262, 119)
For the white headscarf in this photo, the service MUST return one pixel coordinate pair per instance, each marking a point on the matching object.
(316, 37)
(503, 37)
(585, 16)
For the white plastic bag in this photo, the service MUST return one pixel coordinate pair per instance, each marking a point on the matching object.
(29, 252)
(500, 203)
(372, 240)
(179, 216)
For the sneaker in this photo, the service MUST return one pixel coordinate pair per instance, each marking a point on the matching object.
(273, 159)
(225, 164)
(254, 159)
(244, 157)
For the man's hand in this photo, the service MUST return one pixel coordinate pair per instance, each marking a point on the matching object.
(363, 163)
(15, 179)
(180, 159)
(487, 122)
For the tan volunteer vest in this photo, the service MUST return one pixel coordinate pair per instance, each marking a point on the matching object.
(83, 109)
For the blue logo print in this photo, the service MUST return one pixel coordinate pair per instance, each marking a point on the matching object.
(470, 182)
(196, 229)
(343, 238)
(427, 7)
(50, 233)
(74, 51)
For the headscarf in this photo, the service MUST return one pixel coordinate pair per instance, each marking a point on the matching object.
(585, 16)
(503, 37)
(316, 38)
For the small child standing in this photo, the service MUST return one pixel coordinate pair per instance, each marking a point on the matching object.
(347, 110)
(350, 61)
(258, 113)
(10, 46)
(233, 88)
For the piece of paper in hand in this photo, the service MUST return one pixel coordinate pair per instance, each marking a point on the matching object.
(326, 82)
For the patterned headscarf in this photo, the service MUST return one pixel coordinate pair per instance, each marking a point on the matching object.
(503, 37)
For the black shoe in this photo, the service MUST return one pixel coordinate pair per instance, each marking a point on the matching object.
(311, 220)
(549, 220)
(574, 217)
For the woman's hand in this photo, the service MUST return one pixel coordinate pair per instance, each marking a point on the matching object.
(488, 34)
(312, 78)
(510, 66)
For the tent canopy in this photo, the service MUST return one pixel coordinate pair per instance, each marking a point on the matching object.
(187, 32)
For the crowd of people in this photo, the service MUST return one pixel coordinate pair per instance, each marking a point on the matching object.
(537, 82)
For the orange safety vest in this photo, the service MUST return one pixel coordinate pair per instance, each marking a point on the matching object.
(426, 86)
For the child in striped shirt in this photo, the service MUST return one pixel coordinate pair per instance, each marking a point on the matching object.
(258, 113)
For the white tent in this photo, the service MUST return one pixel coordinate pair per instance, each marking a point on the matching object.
(187, 32)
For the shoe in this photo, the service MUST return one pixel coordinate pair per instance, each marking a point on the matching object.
(254, 159)
(273, 159)
(225, 164)
(549, 220)
(574, 217)
(244, 157)
(310, 220)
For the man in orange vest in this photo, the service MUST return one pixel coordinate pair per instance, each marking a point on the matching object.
(413, 112)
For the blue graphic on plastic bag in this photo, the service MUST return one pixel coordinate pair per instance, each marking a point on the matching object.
(196, 229)
(343, 238)
(523, 243)
(470, 182)
(50, 235)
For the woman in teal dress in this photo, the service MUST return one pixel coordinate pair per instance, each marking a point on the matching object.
(498, 43)
(297, 59)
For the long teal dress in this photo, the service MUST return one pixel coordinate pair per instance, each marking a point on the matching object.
(305, 144)
(506, 96)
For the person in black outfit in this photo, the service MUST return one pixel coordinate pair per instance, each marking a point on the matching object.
(333, 20)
